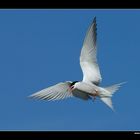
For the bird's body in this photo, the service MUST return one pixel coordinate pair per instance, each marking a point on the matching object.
(89, 87)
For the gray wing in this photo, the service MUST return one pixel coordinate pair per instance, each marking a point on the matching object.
(80, 94)
(56, 92)
(88, 60)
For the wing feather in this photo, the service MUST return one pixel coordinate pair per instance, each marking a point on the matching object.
(56, 92)
(88, 59)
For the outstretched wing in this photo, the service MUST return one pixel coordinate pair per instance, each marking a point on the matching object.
(56, 92)
(88, 60)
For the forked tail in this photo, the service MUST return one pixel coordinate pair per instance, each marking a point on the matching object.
(107, 93)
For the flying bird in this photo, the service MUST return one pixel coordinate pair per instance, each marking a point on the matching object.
(89, 87)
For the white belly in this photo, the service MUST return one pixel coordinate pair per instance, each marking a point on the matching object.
(87, 88)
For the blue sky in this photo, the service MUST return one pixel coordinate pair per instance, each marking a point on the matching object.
(39, 48)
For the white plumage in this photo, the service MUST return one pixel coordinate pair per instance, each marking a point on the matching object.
(88, 88)
(56, 92)
(88, 59)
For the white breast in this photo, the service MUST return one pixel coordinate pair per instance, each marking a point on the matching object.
(85, 87)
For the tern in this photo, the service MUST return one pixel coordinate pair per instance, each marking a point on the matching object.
(89, 87)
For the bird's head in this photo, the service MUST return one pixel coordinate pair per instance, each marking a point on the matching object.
(72, 84)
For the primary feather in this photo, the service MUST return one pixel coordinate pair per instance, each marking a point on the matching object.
(56, 92)
(88, 59)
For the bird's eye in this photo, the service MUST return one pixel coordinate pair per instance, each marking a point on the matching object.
(72, 87)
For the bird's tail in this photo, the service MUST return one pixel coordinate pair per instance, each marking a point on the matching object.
(108, 92)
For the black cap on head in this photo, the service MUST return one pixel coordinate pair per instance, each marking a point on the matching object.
(73, 83)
